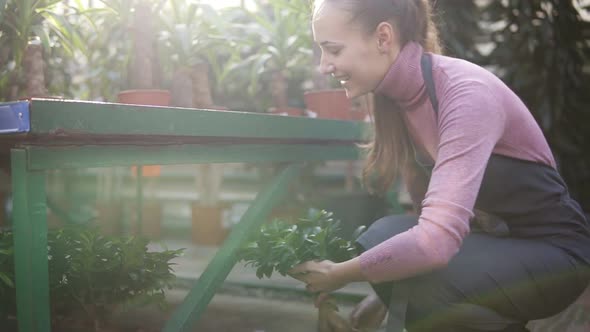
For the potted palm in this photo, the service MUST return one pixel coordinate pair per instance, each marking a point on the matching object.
(276, 50)
(143, 71)
(191, 42)
(29, 27)
(144, 78)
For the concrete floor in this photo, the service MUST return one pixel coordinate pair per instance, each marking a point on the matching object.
(249, 304)
(244, 304)
(235, 313)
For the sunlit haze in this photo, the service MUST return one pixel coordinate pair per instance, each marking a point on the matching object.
(218, 4)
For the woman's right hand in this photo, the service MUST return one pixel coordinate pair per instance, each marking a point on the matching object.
(368, 314)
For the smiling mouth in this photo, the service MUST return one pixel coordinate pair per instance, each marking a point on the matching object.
(342, 79)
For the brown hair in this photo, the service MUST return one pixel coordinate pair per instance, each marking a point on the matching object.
(388, 152)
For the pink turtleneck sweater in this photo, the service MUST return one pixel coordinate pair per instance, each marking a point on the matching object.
(478, 116)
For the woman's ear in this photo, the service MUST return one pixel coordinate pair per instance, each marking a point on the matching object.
(386, 37)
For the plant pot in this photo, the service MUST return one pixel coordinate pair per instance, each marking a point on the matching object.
(328, 104)
(152, 97)
(214, 108)
(32, 98)
(54, 220)
(361, 108)
(286, 111)
(151, 220)
(360, 114)
(109, 218)
(149, 171)
(207, 224)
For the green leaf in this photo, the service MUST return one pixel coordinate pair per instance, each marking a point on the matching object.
(6, 280)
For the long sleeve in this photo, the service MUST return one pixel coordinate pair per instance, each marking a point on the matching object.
(470, 124)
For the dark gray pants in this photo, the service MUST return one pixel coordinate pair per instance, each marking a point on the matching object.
(492, 284)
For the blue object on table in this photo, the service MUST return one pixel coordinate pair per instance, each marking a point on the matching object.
(14, 117)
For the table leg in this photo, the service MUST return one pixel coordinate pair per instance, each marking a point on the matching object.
(139, 199)
(30, 245)
(221, 265)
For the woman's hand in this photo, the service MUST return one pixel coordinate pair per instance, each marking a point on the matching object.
(368, 314)
(327, 276)
(319, 276)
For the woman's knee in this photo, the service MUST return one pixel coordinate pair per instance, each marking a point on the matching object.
(385, 228)
(434, 308)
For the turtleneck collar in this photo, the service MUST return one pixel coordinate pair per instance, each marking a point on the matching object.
(403, 81)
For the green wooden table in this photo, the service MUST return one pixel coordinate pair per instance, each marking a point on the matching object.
(43, 135)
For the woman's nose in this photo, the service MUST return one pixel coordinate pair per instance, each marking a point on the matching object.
(326, 69)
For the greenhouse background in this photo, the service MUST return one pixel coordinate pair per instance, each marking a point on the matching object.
(254, 56)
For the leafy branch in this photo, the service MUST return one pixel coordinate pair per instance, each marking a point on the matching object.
(280, 245)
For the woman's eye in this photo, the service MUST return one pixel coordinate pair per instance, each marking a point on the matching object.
(334, 51)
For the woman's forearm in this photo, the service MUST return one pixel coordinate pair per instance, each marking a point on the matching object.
(348, 271)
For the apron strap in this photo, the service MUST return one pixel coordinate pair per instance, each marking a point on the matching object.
(426, 65)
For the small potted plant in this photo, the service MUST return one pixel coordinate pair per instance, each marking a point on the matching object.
(30, 31)
(92, 276)
(143, 63)
(277, 48)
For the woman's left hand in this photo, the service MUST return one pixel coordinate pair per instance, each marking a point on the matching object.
(320, 276)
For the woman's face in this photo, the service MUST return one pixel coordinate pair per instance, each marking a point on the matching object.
(357, 59)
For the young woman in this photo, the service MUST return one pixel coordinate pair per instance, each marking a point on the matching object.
(497, 240)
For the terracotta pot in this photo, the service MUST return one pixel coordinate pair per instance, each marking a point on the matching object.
(151, 220)
(360, 114)
(147, 171)
(207, 225)
(109, 218)
(328, 104)
(361, 108)
(33, 98)
(54, 221)
(152, 97)
(288, 111)
(214, 108)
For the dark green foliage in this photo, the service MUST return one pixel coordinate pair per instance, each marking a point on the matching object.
(541, 51)
(90, 273)
(280, 245)
(7, 298)
(458, 23)
(93, 271)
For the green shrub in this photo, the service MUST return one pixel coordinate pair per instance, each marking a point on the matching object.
(7, 296)
(91, 274)
(280, 245)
